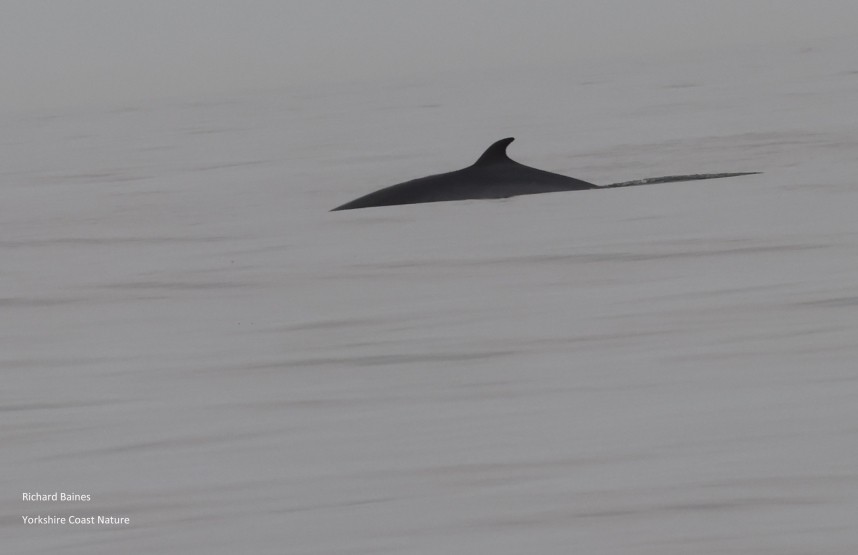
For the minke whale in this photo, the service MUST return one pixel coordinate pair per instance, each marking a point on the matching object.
(494, 176)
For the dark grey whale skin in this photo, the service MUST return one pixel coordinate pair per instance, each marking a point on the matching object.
(493, 176)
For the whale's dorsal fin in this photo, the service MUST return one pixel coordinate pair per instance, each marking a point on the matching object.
(496, 153)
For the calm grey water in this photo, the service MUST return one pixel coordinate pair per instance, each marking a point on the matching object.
(190, 338)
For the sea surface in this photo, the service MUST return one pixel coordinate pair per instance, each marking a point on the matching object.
(189, 337)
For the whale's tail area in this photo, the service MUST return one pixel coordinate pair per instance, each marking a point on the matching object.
(673, 178)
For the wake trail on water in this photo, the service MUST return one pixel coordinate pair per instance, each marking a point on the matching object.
(673, 178)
